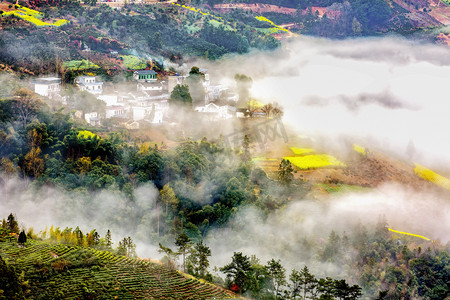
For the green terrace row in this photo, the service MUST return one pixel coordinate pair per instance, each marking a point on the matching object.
(59, 271)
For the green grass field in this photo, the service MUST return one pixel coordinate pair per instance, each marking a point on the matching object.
(132, 62)
(80, 65)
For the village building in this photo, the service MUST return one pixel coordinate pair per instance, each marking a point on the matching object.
(153, 86)
(153, 114)
(110, 100)
(48, 86)
(117, 111)
(216, 112)
(92, 118)
(145, 76)
(89, 84)
(148, 107)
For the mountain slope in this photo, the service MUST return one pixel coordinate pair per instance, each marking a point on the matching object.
(68, 272)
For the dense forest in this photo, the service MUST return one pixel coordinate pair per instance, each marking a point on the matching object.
(163, 31)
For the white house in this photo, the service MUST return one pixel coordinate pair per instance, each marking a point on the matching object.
(149, 86)
(110, 100)
(151, 111)
(90, 84)
(147, 113)
(116, 111)
(217, 112)
(92, 118)
(48, 87)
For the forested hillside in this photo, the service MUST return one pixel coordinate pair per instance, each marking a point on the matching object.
(158, 34)
(284, 166)
(200, 186)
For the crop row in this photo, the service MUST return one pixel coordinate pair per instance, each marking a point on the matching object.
(116, 277)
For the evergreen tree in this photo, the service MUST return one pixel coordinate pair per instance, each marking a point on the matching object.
(203, 263)
(285, 172)
(108, 239)
(22, 237)
(181, 97)
(183, 243)
(277, 274)
(12, 224)
(238, 272)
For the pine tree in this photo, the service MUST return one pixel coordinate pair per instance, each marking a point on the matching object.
(108, 239)
(285, 172)
(12, 224)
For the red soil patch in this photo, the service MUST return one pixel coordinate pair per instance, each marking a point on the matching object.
(258, 8)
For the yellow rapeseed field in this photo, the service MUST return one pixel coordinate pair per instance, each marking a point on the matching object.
(315, 161)
(431, 176)
(301, 151)
(33, 16)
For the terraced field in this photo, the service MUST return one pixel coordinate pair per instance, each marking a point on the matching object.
(68, 272)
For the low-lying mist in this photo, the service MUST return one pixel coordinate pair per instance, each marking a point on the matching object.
(39, 207)
(385, 93)
(283, 233)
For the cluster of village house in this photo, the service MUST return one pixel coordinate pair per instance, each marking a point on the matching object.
(146, 101)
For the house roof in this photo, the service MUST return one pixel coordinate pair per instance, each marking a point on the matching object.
(145, 72)
(47, 80)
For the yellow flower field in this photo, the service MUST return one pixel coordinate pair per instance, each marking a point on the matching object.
(33, 16)
(301, 151)
(314, 161)
(431, 176)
